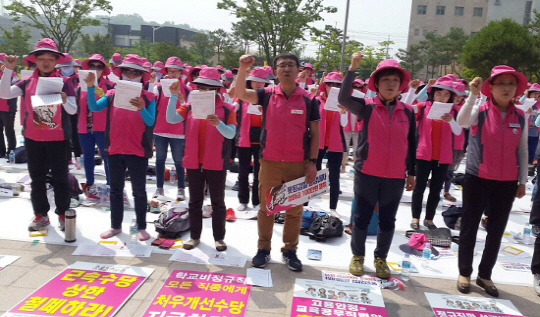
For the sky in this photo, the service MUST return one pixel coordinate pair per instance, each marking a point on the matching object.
(370, 21)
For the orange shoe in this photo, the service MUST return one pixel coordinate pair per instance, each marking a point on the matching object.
(229, 216)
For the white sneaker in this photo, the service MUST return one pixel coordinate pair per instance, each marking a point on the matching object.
(158, 192)
(242, 207)
(256, 207)
(334, 213)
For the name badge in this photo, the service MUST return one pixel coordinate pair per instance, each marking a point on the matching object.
(297, 111)
(515, 125)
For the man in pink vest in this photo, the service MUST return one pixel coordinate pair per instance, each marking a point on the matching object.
(289, 148)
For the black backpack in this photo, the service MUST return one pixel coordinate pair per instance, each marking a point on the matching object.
(458, 179)
(172, 223)
(452, 217)
(325, 226)
(20, 155)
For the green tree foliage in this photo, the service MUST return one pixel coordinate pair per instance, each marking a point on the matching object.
(163, 50)
(276, 25)
(202, 48)
(16, 41)
(220, 39)
(372, 57)
(501, 42)
(411, 59)
(60, 20)
(97, 44)
(329, 53)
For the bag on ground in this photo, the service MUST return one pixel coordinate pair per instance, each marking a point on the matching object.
(172, 223)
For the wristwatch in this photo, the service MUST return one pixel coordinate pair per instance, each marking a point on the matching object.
(314, 161)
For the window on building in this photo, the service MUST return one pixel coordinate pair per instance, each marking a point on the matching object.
(478, 12)
(440, 10)
(459, 11)
(421, 9)
(527, 16)
(424, 32)
(416, 31)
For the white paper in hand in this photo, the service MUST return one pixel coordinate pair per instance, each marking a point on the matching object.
(358, 94)
(332, 103)
(125, 91)
(112, 77)
(203, 103)
(82, 76)
(49, 85)
(165, 84)
(439, 109)
(527, 104)
(46, 100)
(254, 109)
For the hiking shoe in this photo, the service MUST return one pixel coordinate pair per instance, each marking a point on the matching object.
(92, 192)
(62, 222)
(449, 197)
(221, 245)
(356, 267)
(181, 194)
(256, 207)
(292, 261)
(236, 187)
(158, 192)
(535, 230)
(38, 223)
(536, 283)
(191, 243)
(229, 215)
(242, 207)
(261, 258)
(381, 268)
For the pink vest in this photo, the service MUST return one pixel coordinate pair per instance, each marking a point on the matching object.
(245, 125)
(423, 149)
(353, 125)
(336, 141)
(217, 149)
(459, 140)
(385, 152)
(494, 142)
(99, 119)
(285, 131)
(126, 131)
(162, 126)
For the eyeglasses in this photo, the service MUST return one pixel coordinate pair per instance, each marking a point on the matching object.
(207, 88)
(337, 85)
(282, 66)
(95, 67)
(127, 71)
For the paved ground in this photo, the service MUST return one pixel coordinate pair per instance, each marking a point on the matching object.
(41, 262)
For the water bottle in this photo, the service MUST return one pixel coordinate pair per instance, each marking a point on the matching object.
(12, 157)
(70, 230)
(102, 193)
(81, 160)
(172, 179)
(426, 255)
(406, 267)
(527, 233)
(133, 228)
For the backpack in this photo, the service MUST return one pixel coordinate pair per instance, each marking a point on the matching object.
(458, 179)
(325, 226)
(20, 155)
(73, 185)
(309, 215)
(452, 217)
(172, 223)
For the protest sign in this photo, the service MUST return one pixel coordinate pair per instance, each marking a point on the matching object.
(392, 283)
(446, 305)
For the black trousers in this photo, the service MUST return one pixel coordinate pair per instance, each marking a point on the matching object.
(535, 263)
(368, 190)
(76, 145)
(245, 155)
(216, 183)
(7, 124)
(438, 174)
(479, 194)
(334, 169)
(535, 210)
(118, 163)
(42, 157)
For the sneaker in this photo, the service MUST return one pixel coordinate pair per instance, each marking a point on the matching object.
(92, 192)
(110, 233)
(256, 207)
(230, 216)
(221, 245)
(536, 283)
(38, 222)
(292, 261)
(236, 187)
(158, 192)
(381, 268)
(242, 207)
(261, 258)
(356, 267)
(535, 230)
(449, 197)
(191, 243)
(181, 194)
(62, 222)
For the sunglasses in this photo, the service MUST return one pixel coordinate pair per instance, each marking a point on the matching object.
(95, 67)
(127, 71)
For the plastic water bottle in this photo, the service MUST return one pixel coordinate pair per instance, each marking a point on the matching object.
(12, 157)
(426, 255)
(527, 233)
(102, 193)
(133, 228)
(172, 179)
(81, 160)
(406, 268)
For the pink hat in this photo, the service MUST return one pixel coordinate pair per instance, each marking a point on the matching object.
(172, 62)
(132, 61)
(534, 87)
(416, 244)
(309, 66)
(196, 69)
(503, 69)
(147, 64)
(258, 74)
(116, 59)
(333, 77)
(68, 61)
(46, 45)
(78, 62)
(388, 64)
(157, 65)
(366, 82)
(269, 72)
(220, 69)
(452, 76)
(459, 88)
(444, 82)
(209, 76)
(2, 57)
(228, 75)
(529, 85)
(96, 58)
(358, 81)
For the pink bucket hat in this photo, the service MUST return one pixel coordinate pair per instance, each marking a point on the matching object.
(333, 77)
(172, 62)
(228, 75)
(309, 66)
(503, 69)
(269, 72)
(220, 69)
(444, 82)
(415, 245)
(116, 59)
(132, 61)
(196, 69)
(358, 81)
(209, 76)
(78, 62)
(68, 61)
(46, 45)
(534, 87)
(389, 64)
(459, 88)
(258, 74)
(96, 58)
(157, 66)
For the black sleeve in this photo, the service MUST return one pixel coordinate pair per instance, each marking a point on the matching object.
(314, 114)
(411, 151)
(69, 89)
(260, 97)
(355, 105)
(22, 85)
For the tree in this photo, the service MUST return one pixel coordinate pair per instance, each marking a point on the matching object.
(163, 50)
(276, 25)
(372, 57)
(16, 41)
(202, 48)
(60, 20)
(220, 39)
(144, 49)
(97, 44)
(411, 59)
(329, 53)
(501, 42)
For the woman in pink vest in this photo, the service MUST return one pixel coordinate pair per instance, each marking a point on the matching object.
(385, 157)
(206, 156)
(496, 169)
(47, 131)
(353, 127)
(433, 152)
(8, 111)
(304, 77)
(249, 141)
(166, 134)
(128, 141)
(331, 138)
(91, 125)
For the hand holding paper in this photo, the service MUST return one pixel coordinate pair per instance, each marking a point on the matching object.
(125, 92)
(438, 110)
(527, 104)
(203, 104)
(254, 109)
(49, 85)
(165, 85)
(46, 100)
(89, 79)
(332, 100)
